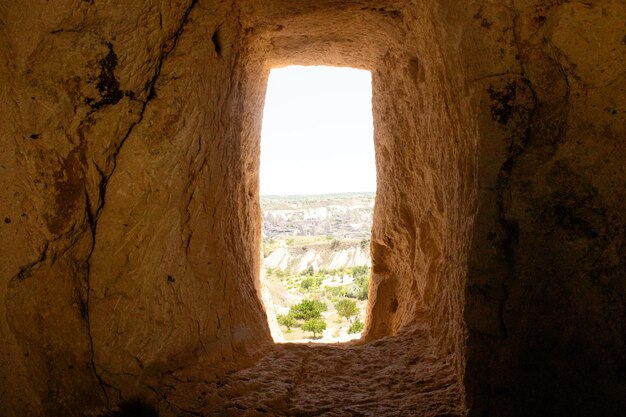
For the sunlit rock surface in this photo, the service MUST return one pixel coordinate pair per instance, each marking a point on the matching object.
(130, 232)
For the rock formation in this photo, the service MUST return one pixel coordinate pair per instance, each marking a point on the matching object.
(130, 234)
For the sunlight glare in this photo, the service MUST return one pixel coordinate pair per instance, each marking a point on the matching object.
(317, 135)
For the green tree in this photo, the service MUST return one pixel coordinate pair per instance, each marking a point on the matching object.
(314, 325)
(356, 327)
(307, 309)
(347, 308)
(309, 283)
(287, 320)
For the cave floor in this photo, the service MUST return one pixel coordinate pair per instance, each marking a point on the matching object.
(393, 376)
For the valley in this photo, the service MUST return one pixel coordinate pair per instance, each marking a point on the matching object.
(316, 265)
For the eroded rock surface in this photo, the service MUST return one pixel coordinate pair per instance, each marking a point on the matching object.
(545, 299)
(130, 224)
(314, 380)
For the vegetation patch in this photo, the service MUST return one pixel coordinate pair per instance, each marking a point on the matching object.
(319, 281)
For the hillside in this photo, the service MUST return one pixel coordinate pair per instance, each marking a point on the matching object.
(297, 254)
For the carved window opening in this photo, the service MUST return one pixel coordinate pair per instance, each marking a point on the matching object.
(317, 184)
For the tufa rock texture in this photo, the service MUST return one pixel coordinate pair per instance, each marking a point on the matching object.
(130, 233)
(546, 290)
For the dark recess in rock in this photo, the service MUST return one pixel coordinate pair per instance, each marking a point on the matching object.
(108, 85)
(135, 407)
(216, 41)
(502, 106)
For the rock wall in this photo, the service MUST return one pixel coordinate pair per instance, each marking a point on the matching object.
(130, 242)
(426, 148)
(545, 297)
(134, 216)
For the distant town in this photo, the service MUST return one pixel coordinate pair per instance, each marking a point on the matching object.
(346, 215)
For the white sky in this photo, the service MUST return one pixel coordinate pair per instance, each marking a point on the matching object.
(317, 134)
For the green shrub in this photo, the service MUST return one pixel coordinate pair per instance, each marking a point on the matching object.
(337, 291)
(279, 273)
(352, 292)
(310, 283)
(362, 283)
(356, 327)
(358, 271)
